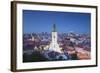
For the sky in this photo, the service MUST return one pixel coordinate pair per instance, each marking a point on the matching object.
(42, 21)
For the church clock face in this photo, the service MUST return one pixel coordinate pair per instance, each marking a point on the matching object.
(54, 38)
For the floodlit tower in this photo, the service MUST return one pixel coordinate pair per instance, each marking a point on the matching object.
(54, 46)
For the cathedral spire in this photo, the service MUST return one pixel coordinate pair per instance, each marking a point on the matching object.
(54, 46)
(54, 27)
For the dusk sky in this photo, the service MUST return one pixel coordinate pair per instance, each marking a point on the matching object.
(42, 21)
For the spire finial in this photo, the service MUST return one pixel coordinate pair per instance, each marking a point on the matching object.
(54, 27)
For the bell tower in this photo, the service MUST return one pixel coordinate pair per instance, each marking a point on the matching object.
(54, 34)
(54, 46)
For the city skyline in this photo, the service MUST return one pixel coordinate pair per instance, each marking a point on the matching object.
(42, 21)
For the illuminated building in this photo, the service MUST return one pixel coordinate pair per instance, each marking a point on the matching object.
(54, 46)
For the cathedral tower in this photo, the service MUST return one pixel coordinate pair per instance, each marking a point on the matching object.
(54, 46)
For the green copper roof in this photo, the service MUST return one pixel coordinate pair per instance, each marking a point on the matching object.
(54, 28)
